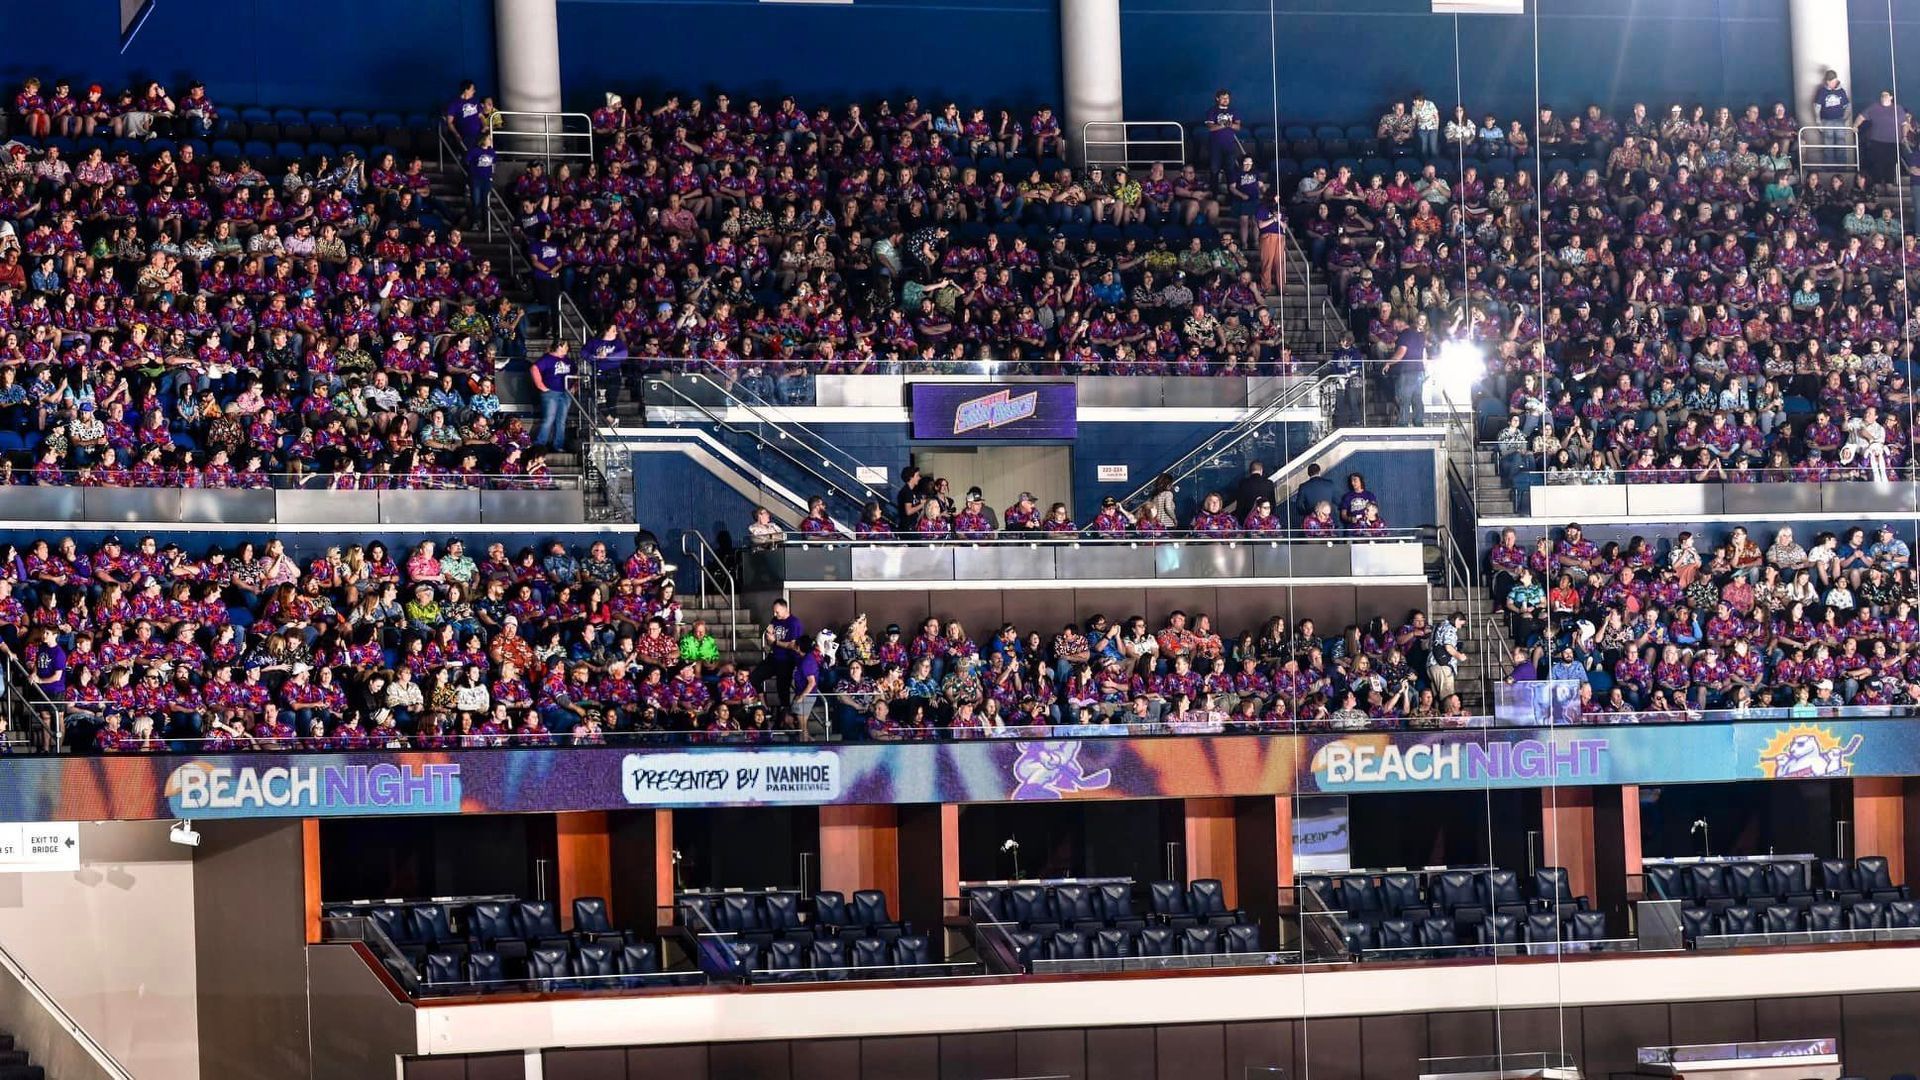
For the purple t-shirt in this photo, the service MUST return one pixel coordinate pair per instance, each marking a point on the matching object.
(465, 114)
(553, 372)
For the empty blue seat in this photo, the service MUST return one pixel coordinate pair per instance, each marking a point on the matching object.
(256, 115)
(289, 116)
(289, 151)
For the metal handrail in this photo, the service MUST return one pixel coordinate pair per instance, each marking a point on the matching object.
(709, 565)
(598, 433)
(1227, 438)
(554, 128)
(1838, 144)
(1323, 315)
(101, 1055)
(578, 320)
(498, 215)
(718, 419)
(1126, 142)
(788, 429)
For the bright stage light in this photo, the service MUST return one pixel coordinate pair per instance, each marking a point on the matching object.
(1455, 370)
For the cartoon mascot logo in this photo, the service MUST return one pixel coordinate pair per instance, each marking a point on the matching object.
(1807, 753)
(1051, 769)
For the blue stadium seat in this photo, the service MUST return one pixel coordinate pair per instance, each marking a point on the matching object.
(289, 151)
(485, 967)
(444, 967)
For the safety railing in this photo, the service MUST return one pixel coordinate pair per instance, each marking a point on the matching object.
(868, 973)
(1775, 939)
(1130, 143)
(786, 429)
(1102, 720)
(103, 1059)
(1828, 147)
(604, 466)
(496, 218)
(543, 136)
(1324, 319)
(713, 573)
(528, 500)
(851, 496)
(1315, 388)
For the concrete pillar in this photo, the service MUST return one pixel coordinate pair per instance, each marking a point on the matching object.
(1089, 65)
(528, 36)
(1820, 44)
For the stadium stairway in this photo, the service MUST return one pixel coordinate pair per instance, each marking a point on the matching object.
(14, 1064)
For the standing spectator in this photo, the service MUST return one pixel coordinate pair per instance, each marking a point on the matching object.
(1252, 490)
(1273, 246)
(463, 116)
(480, 159)
(1883, 124)
(1408, 366)
(1830, 100)
(1313, 491)
(1223, 135)
(782, 637)
(550, 374)
(1444, 655)
(1426, 126)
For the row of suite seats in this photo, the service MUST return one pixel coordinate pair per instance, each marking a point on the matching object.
(1044, 909)
(833, 959)
(1093, 944)
(763, 918)
(1820, 917)
(1404, 938)
(1756, 884)
(491, 941)
(1463, 898)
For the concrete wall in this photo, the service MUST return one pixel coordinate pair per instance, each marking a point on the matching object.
(113, 944)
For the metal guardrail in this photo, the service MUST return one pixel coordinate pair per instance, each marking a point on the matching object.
(1314, 387)
(713, 569)
(101, 1056)
(545, 136)
(166, 506)
(830, 454)
(1131, 143)
(851, 501)
(1828, 147)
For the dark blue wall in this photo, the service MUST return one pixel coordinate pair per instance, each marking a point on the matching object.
(345, 54)
(1337, 60)
(988, 52)
(1342, 60)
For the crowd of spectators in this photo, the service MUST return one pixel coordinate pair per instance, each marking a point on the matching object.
(145, 647)
(926, 508)
(169, 317)
(773, 243)
(1663, 296)
(1765, 619)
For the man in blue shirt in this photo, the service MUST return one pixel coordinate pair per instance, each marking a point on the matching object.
(550, 374)
(1408, 369)
(1313, 491)
(782, 639)
(1831, 106)
(1888, 553)
(480, 158)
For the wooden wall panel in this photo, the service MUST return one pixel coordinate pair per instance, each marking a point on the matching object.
(435, 1068)
(1807, 1018)
(860, 849)
(667, 1062)
(1614, 1034)
(1711, 1021)
(1211, 845)
(1391, 1046)
(1878, 1035)
(978, 1055)
(1541, 1030)
(1265, 1044)
(497, 1067)
(750, 1061)
(1192, 1051)
(1880, 821)
(908, 1057)
(583, 852)
(1460, 1034)
(599, 1063)
(1330, 1049)
(826, 1059)
(1055, 1052)
(1121, 1054)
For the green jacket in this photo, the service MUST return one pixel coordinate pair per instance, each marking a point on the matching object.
(700, 650)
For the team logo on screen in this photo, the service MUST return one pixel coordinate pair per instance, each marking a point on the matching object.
(995, 410)
(1051, 769)
(1805, 752)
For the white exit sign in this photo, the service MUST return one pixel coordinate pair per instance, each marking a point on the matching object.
(36, 846)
